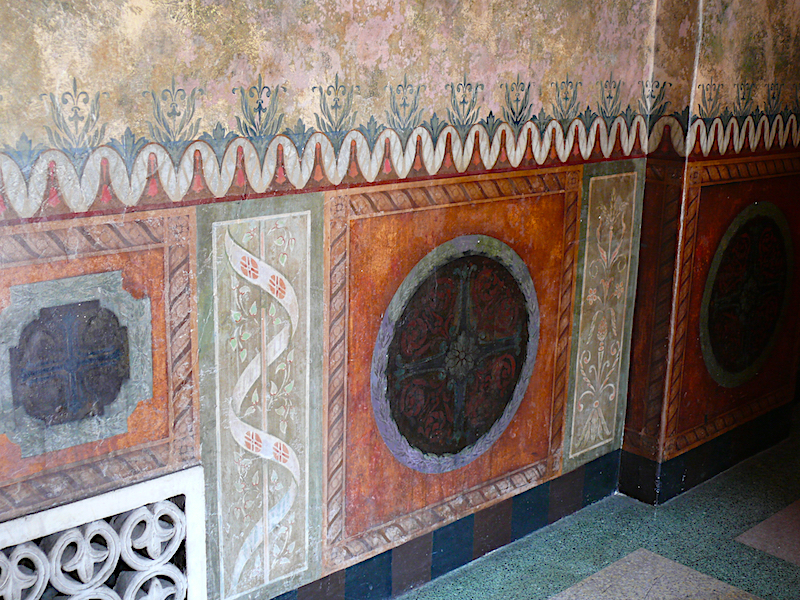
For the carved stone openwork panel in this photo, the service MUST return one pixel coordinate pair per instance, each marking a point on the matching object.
(126, 557)
(154, 550)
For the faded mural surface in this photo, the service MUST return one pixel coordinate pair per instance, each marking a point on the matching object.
(262, 397)
(132, 60)
(603, 335)
(260, 390)
(261, 337)
(151, 155)
(125, 112)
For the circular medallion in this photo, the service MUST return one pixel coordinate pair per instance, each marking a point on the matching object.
(746, 294)
(454, 354)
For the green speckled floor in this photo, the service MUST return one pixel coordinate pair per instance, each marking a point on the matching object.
(697, 530)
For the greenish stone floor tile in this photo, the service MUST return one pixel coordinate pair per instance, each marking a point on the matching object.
(697, 530)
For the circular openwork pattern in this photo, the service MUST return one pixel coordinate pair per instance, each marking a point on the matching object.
(454, 354)
(746, 294)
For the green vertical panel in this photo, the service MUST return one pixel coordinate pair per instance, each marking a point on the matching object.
(605, 293)
(260, 282)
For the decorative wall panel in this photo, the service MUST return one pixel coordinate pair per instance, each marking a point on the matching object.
(726, 286)
(262, 388)
(482, 166)
(98, 380)
(373, 499)
(604, 312)
(76, 359)
(469, 307)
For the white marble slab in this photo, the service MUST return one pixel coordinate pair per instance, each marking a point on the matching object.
(645, 575)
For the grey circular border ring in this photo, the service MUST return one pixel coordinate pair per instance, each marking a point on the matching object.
(467, 245)
(718, 372)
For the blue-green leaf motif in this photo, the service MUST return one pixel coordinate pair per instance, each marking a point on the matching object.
(405, 115)
(173, 124)
(76, 130)
(218, 139)
(464, 110)
(371, 131)
(336, 105)
(128, 147)
(518, 108)
(24, 153)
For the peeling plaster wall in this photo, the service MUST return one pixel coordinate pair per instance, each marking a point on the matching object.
(164, 141)
(126, 49)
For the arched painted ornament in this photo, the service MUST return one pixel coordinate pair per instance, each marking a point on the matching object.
(746, 294)
(454, 354)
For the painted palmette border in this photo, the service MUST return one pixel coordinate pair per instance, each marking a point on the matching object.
(52, 185)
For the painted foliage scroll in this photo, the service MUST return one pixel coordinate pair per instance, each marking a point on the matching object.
(604, 311)
(261, 328)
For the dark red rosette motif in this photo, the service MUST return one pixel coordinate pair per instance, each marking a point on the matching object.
(747, 294)
(457, 355)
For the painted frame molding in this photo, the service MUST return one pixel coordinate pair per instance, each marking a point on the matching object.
(339, 549)
(698, 176)
(92, 244)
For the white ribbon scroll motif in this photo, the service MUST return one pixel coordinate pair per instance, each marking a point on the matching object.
(252, 439)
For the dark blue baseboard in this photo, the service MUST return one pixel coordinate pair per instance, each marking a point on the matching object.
(456, 544)
(655, 483)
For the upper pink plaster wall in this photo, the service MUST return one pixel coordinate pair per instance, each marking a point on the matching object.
(751, 42)
(127, 47)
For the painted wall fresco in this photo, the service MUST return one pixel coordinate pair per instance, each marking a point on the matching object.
(746, 294)
(454, 354)
(123, 121)
(607, 281)
(364, 517)
(261, 393)
(748, 58)
(98, 379)
(168, 123)
(653, 307)
(676, 31)
(691, 386)
(132, 61)
(65, 357)
(698, 406)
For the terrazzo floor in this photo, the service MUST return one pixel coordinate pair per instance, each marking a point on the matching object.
(609, 549)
